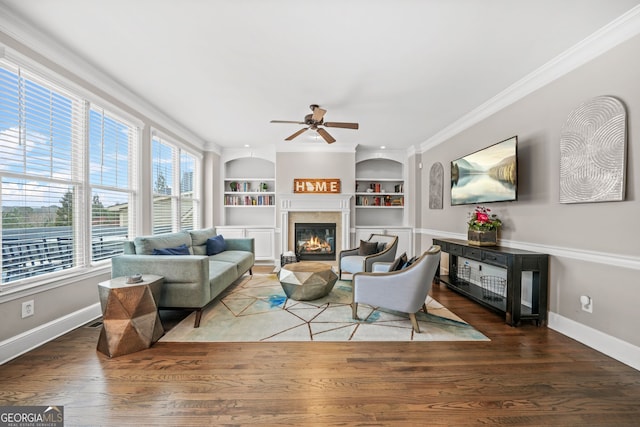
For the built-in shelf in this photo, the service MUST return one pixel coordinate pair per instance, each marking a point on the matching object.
(249, 199)
(379, 196)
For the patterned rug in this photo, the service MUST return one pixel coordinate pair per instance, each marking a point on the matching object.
(257, 309)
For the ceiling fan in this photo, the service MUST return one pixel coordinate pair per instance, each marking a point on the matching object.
(314, 120)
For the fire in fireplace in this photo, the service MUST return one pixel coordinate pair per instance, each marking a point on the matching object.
(315, 241)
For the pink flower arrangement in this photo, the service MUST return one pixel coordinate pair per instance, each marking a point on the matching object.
(482, 219)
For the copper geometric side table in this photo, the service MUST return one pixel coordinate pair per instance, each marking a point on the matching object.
(130, 320)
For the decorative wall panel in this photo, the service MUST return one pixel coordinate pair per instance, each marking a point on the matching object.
(436, 183)
(593, 152)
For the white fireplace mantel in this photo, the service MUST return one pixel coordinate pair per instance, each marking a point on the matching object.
(315, 203)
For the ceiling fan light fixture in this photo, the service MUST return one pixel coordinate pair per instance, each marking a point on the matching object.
(315, 123)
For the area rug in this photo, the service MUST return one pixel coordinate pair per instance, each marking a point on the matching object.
(257, 309)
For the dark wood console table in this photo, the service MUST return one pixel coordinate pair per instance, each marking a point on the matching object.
(515, 261)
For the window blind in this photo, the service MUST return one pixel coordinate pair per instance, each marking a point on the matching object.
(41, 144)
(175, 188)
(112, 144)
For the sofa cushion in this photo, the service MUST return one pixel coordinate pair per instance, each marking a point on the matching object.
(215, 245)
(146, 244)
(244, 260)
(367, 248)
(128, 248)
(178, 250)
(221, 275)
(199, 240)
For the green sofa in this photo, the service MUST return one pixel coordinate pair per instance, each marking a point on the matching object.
(190, 281)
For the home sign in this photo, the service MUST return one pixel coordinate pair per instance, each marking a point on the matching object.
(316, 185)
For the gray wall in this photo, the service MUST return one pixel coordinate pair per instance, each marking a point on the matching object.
(594, 246)
(290, 165)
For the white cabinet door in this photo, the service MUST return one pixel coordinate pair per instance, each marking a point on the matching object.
(231, 232)
(264, 239)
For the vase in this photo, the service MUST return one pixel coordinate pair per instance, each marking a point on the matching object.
(482, 237)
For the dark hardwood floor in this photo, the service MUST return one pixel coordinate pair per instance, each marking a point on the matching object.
(524, 376)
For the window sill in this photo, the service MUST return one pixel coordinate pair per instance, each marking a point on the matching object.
(29, 287)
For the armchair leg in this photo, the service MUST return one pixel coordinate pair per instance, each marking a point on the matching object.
(414, 322)
(354, 310)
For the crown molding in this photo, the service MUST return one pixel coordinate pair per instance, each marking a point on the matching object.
(35, 40)
(213, 147)
(606, 38)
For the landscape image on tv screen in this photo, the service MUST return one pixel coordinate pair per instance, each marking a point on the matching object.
(488, 175)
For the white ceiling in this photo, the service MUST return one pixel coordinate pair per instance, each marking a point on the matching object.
(403, 69)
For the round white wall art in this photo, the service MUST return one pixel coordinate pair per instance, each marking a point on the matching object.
(593, 152)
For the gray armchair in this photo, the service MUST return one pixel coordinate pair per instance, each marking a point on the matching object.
(405, 290)
(350, 260)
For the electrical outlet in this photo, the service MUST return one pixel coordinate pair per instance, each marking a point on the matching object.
(28, 309)
(586, 303)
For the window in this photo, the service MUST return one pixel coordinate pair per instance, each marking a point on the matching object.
(112, 154)
(175, 188)
(60, 156)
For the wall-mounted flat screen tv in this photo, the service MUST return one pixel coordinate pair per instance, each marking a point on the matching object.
(488, 175)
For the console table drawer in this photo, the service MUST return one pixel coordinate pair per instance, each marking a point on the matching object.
(494, 258)
(455, 250)
(472, 253)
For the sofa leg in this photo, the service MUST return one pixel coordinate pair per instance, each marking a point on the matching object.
(198, 317)
(251, 272)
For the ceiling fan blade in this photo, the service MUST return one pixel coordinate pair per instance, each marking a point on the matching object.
(324, 134)
(295, 134)
(287, 121)
(341, 125)
(318, 114)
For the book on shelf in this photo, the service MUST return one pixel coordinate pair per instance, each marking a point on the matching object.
(266, 200)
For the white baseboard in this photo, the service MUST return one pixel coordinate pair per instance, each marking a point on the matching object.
(26, 341)
(622, 351)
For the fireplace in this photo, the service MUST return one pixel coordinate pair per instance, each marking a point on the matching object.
(315, 241)
(315, 208)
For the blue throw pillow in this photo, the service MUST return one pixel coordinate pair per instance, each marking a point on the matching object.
(409, 263)
(178, 250)
(398, 263)
(215, 245)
